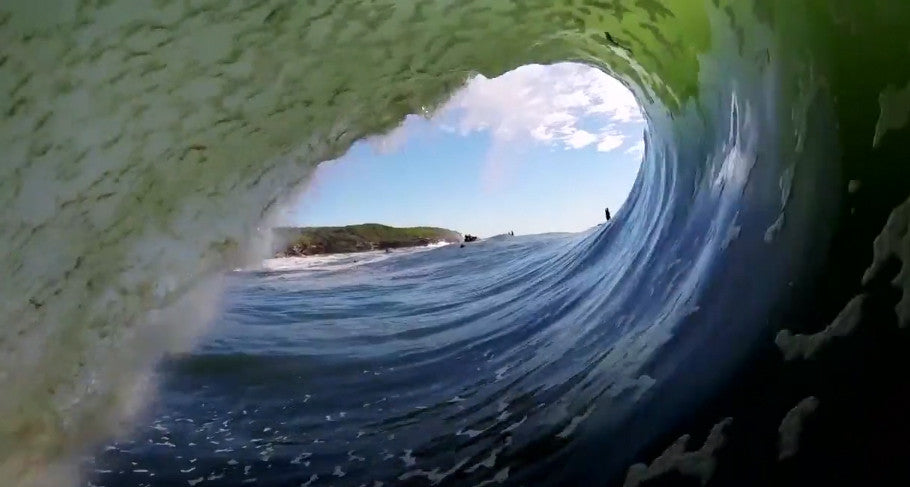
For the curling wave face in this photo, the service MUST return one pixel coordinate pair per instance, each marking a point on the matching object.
(143, 141)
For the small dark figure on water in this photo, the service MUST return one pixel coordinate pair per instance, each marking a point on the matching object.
(511, 234)
(607, 213)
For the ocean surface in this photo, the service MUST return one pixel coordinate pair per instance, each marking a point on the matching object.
(742, 320)
(419, 365)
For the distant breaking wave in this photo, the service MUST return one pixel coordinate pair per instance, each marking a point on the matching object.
(758, 262)
(336, 261)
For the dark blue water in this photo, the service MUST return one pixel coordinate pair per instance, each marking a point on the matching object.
(420, 365)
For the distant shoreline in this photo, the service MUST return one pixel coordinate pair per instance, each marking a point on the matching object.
(309, 241)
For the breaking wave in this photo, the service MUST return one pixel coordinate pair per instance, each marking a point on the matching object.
(143, 141)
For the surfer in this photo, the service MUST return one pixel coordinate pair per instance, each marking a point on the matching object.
(607, 213)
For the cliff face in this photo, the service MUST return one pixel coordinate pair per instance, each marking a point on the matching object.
(356, 238)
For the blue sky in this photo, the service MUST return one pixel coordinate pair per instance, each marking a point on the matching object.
(539, 149)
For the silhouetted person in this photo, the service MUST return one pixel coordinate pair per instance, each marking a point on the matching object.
(607, 213)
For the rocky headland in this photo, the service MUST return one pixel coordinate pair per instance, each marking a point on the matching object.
(303, 241)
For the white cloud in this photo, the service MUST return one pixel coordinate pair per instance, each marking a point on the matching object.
(638, 149)
(548, 104)
(391, 142)
(579, 139)
(610, 139)
(564, 106)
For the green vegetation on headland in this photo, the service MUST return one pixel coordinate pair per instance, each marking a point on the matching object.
(356, 238)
